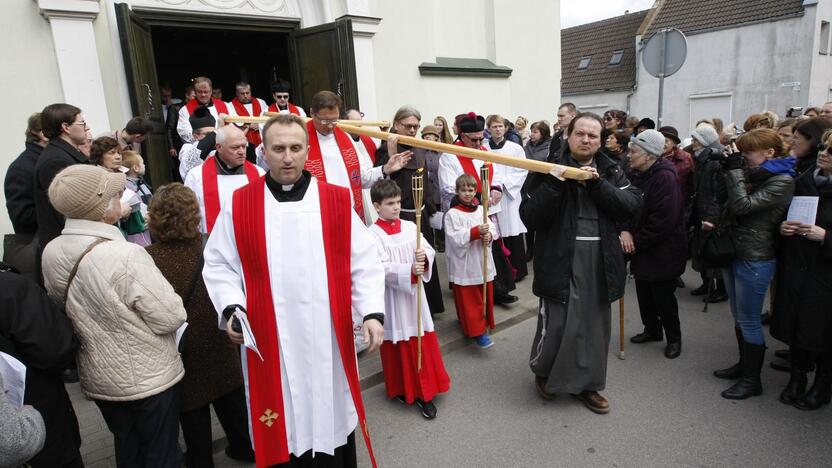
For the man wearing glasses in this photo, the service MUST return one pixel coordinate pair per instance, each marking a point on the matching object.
(66, 130)
(281, 91)
(334, 158)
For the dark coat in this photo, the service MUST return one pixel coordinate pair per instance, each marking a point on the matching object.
(538, 151)
(212, 362)
(659, 231)
(804, 279)
(404, 177)
(550, 210)
(36, 332)
(706, 201)
(557, 144)
(57, 156)
(19, 187)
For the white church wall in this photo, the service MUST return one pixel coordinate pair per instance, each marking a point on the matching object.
(820, 87)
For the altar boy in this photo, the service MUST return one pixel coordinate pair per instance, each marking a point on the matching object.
(404, 266)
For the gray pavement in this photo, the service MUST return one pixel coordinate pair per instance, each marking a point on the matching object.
(664, 412)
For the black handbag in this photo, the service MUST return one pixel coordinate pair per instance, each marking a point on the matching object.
(717, 249)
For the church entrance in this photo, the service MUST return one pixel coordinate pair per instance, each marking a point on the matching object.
(174, 47)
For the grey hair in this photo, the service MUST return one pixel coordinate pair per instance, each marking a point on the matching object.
(405, 112)
(242, 85)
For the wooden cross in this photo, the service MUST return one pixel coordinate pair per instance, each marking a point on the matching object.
(268, 417)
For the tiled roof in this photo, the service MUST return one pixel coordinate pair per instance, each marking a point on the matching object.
(691, 16)
(599, 40)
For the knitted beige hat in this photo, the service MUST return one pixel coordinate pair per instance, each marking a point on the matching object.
(84, 192)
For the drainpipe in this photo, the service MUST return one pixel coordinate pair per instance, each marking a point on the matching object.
(639, 48)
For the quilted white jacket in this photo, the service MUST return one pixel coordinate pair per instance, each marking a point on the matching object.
(124, 312)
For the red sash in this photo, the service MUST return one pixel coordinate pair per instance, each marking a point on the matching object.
(220, 105)
(211, 192)
(468, 167)
(265, 386)
(253, 135)
(315, 163)
(370, 146)
(293, 109)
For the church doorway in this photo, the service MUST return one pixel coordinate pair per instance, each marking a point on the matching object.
(163, 46)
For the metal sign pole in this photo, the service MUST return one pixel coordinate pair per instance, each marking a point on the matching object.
(663, 68)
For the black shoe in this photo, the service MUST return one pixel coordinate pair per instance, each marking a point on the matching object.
(646, 337)
(70, 375)
(820, 394)
(717, 296)
(245, 454)
(673, 350)
(400, 399)
(795, 388)
(749, 384)
(540, 384)
(700, 291)
(680, 283)
(781, 365)
(734, 372)
(507, 299)
(428, 408)
(782, 354)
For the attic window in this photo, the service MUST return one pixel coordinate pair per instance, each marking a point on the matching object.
(616, 57)
(584, 63)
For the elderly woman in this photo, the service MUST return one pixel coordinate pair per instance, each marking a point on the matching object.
(125, 314)
(804, 289)
(656, 241)
(759, 189)
(407, 122)
(616, 145)
(213, 375)
(540, 139)
(106, 152)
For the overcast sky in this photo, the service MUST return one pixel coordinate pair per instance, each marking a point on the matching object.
(575, 12)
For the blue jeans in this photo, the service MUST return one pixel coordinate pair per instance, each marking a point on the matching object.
(746, 282)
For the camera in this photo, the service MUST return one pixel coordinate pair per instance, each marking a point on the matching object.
(795, 111)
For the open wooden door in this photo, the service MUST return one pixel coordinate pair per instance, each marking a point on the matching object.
(137, 49)
(323, 58)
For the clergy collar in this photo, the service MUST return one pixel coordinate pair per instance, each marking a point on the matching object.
(289, 193)
(494, 145)
(390, 227)
(223, 169)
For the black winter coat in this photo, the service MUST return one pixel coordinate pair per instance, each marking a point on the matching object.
(37, 333)
(708, 198)
(803, 294)
(550, 210)
(19, 187)
(57, 156)
(659, 231)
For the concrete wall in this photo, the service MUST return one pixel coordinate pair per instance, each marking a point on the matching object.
(820, 88)
(598, 102)
(29, 74)
(751, 63)
(505, 32)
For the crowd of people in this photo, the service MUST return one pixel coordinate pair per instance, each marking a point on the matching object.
(287, 246)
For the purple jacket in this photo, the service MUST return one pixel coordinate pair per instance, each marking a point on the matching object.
(659, 231)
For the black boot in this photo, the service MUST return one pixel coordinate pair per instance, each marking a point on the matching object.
(795, 388)
(749, 385)
(734, 372)
(819, 394)
(701, 290)
(718, 294)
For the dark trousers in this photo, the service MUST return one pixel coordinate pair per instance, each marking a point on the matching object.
(344, 457)
(251, 153)
(659, 309)
(196, 429)
(145, 432)
(504, 279)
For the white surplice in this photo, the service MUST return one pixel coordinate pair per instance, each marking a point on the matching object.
(319, 410)
(397, 253)
(463, 255)
(450, 169)
(512, 179)
(226, 185)
(183, 125)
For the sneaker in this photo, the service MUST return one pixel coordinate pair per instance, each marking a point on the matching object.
(483, 341)
(428, 408)
(400, 399)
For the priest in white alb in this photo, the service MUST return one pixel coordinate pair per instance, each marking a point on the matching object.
(220, 175)
(290, 253)
(334, 157)
(217, 107)
(247, 105)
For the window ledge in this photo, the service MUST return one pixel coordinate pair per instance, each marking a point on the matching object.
(451, 66)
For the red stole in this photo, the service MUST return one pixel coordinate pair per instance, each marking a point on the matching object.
(293, 109)
(468, 167)
(211, 192)
(315, 163)
(390, 227)
(253, 134)
(220, 105)
(265, 386)
(370, 146)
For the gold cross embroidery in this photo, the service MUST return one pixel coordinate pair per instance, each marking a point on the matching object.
(268, 417)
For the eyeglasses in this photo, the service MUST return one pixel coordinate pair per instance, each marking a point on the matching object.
(825, 149)
(81, 123)
(327, 121)
(608, 118)
(411, 127)
(475, 139)
(282, 96)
